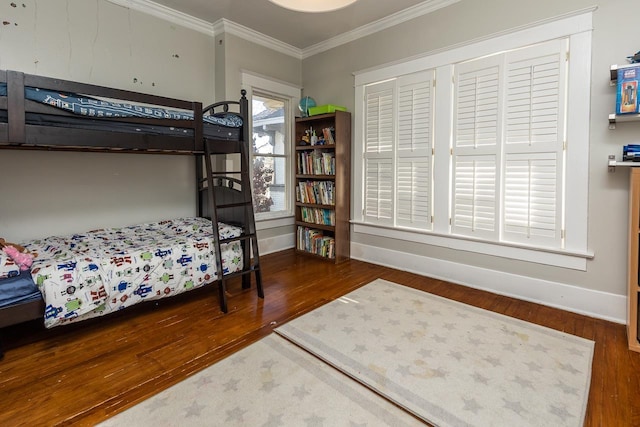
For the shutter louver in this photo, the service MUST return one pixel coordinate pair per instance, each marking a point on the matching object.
(530, 196)
(379, 190)
(474, 211)
(534, 139)
(379, 122)
(476, 148)
(379, 130)
(413, 163)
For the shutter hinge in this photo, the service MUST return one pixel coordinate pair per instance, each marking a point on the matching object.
(562, 234)
(567, 56)
(564, 145)
(434, 82)
(451, 151)
(433, 151)
(450, 221)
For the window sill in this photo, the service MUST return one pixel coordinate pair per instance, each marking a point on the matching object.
(557, 258)
(281, 220)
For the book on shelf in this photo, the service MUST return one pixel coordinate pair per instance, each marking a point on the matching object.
(316, 163)
(316, 192)
(314, 241)
(328, 136)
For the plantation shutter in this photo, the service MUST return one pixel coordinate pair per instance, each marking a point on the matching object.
(414, 147)
(476, 148)
(534, 143)
(379, 130)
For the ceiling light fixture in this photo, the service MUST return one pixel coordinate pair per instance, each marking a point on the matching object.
(313, 5)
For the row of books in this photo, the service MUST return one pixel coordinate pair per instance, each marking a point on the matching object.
(313, 241)
(316, 192)
(316, 163)
(318, 216)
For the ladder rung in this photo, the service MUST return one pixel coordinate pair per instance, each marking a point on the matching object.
(223, 173)
(233, 205)
(235, 239)
(241, 273)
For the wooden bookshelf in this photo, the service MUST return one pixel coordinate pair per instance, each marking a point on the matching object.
(633, 266)
(323, 187)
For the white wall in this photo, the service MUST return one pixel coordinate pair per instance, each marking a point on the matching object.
(601, 289)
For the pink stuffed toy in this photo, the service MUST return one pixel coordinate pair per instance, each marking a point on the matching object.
(22, 259)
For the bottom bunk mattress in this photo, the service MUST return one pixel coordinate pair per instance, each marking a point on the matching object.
(90, 274)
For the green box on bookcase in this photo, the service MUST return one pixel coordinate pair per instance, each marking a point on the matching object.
(324, 109)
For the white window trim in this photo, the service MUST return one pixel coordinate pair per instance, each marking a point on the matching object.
(577, 27)
(250, 82)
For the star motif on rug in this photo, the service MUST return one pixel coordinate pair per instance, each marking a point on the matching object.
(425, 353)
(204, 380)
(393, 322)
(366, 317)
(449, 326)
(238, 360)
(348, 330)
(410, 312)
(385, 309)
(300, 392)
(268, 386)
(479, 378)
(575, 352)
(194, 410)
(360, 349)
(423, 323)
(494, 361)
(533, 366)
(314, 421)
(480, 328)
(352, 424)
(377, 332)
(509, 347)
(560, 412)
(231, 385)
(567, 389)
(439, 373)
(404, 370)
(540, 347)
(525, 383)
(157, 403)
(514, 406)
(569, 368)
(439, 339)
(456, 355)
(235, 414)
(471, 405)
(268, 364)
(320, 327)
(274, 421)
(343, 316)
(392, 349)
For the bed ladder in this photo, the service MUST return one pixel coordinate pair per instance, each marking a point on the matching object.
(242, 205)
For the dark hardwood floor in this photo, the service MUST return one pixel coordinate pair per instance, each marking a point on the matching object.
(81, 374)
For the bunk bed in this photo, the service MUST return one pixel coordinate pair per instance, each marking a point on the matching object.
(42, 113)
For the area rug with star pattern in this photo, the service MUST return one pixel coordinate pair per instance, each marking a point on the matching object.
(386, 355)
(448, 363)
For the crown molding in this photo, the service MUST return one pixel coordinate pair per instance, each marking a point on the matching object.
(167, 14)
(379, 25)
(225, 26)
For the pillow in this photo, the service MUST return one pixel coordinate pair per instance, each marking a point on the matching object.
(8, 268)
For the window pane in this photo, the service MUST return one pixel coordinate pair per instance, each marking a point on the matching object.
(269, 184)
(269, 130)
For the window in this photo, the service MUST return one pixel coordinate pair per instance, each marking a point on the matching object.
(468, 148)
(272, 115)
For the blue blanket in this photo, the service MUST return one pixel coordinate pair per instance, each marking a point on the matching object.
(92, 107)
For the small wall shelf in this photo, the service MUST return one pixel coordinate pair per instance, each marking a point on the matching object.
(619, 118)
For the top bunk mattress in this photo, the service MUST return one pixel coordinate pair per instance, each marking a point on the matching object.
(90, 274)
(92, 113)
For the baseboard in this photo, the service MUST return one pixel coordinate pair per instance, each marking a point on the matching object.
(567, 297)
(276, 244)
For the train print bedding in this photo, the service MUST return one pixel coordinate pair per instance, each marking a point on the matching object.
(91, 274)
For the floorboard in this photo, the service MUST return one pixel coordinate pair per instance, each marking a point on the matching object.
(83, 373)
